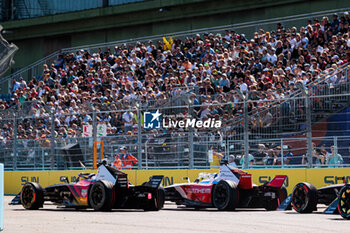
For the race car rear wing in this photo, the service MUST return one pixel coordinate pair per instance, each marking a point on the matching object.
(154, 181)
(277, 181)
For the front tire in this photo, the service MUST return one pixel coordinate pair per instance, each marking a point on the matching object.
(304, 198)
(32, 196)
(225, 195)
(101, 195)
(344, 202)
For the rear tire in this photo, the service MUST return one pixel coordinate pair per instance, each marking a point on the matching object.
(32, 196)
(102, 196)
(344, 202)
(225, 195)
(158, 199)
(304, 198)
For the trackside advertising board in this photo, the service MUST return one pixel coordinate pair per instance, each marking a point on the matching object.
(1, 196)
(317, 176)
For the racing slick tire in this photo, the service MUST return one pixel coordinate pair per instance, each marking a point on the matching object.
(344, 202)
(225, 195)
(158, 200)
(32, 196)
(102, 196)
(304, 198)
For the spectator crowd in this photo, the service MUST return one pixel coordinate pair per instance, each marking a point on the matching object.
(211, 69)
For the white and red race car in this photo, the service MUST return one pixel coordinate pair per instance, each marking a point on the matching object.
(229, 189)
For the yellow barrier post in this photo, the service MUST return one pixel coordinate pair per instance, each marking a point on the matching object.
(95, 155)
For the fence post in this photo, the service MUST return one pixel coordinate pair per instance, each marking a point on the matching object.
(246, 133)
(146, 155)
(282, 156)
(227, 146)
(308, 127)
(52, 143)
(15, 142)
(178, 150)
(306, 93)
(190, 139)
(139, 137)
(94, 124)
(335, 143)
(94, 131)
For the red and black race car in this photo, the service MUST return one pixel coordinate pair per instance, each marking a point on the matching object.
(108, 189)
(305, 198)
(229, 189)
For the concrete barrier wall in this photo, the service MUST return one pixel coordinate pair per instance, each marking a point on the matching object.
(319, 177)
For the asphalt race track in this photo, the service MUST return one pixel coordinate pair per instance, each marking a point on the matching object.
(170, 219)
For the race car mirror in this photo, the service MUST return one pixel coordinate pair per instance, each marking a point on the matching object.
(64, 179)
(187, 179)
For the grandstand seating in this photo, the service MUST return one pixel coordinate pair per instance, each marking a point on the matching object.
(207, 69)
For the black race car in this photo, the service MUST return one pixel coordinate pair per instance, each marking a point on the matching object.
(108, 189)
(305, 197)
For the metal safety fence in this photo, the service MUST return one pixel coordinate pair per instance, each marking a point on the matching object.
(310, 129)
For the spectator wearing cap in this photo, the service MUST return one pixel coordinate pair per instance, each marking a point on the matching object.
(128, 160)
(271, 57)
(225, 83)
(335, 24)
(288, 156)
(22, 83)
(346, 17)
(231, 161)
